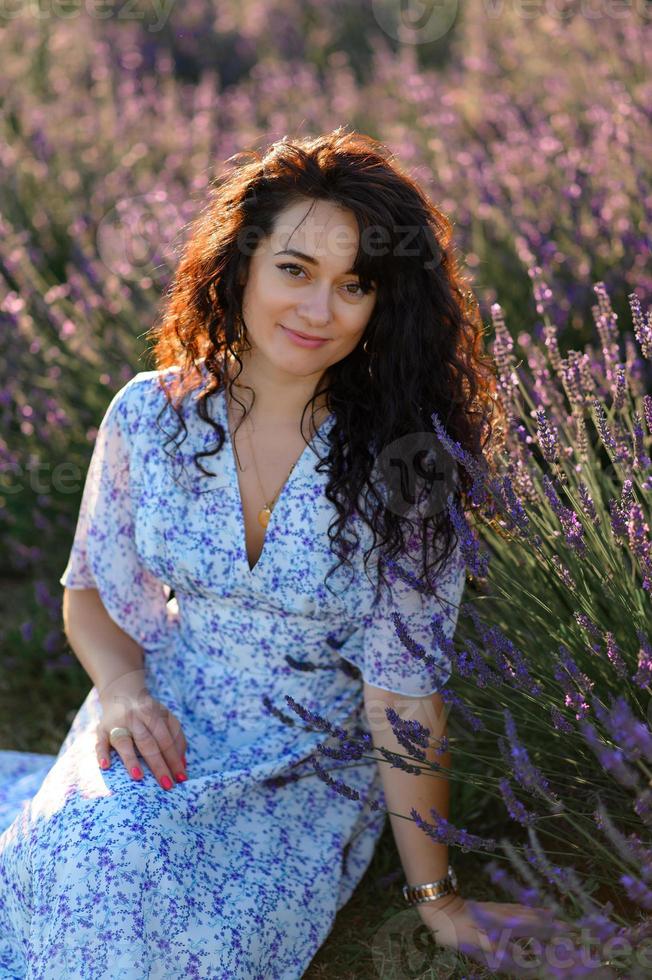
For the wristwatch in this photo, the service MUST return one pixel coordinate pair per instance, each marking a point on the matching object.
(430, 892)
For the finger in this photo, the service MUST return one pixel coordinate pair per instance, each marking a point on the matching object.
(148, 746)
(103, 750)
(123, 745)
(170, 748)
(175, 729)
(166, 729)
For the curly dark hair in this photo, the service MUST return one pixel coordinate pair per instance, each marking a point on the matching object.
(424, 336)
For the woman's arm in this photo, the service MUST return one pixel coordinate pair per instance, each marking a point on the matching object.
(422, 859)
(108, 654)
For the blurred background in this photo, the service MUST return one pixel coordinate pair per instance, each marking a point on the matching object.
(527, 123)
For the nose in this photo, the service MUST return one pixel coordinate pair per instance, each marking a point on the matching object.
(315, 310)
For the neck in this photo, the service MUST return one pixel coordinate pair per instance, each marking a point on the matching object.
(280, 397)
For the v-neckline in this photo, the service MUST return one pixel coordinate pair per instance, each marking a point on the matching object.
(242, 530)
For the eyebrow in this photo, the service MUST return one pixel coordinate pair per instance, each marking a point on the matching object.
(307, 258)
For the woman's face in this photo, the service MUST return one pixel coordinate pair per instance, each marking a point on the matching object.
(313, 294)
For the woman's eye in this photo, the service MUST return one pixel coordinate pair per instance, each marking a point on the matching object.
(290, 265)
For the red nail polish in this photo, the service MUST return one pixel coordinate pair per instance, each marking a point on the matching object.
(104, 763)
(136, 772)
(166, 782)
(181, 777)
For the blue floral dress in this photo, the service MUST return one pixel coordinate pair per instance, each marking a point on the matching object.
(239, 871)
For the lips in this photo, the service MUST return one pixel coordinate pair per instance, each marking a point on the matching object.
(304, 340)
(306, 336)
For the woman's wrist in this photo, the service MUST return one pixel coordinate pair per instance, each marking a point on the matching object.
(447, 903)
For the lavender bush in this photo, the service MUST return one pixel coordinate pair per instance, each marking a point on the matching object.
(553, 652)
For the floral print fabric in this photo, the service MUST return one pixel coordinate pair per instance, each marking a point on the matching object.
(239, 871)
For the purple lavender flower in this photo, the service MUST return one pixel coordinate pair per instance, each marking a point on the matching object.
(637, 890)
(525, 771)
(349, 750)
(632, 735)
(548, 437)
(573, 379)
(440, 669)
(631, 848)
(502, 350)
(612, 759)
(587, 624)
(601, 425)
(642, 327)
(315, 720)
(451, 697)
(643, 676)
(509, 659)
(338, 786)
(613, 653)
(415, 731)
(643, 806)
(573, 528)
(563, 572)
(475, 557)
(618, 521)
(587, 501)
(514, 806)
(620, 389)
(560, 722)
(476, 466)
(606, 322)
(445, 833)
(398, 762)
(641, 458)
(513, 508)
(561, 878)
(501, 879)
(647, 411)
(551, 341)
(639, 543)
(471, 663)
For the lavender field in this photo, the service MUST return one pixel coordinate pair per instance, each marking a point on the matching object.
(530, 126)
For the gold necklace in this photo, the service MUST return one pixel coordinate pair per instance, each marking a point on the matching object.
(266, 512)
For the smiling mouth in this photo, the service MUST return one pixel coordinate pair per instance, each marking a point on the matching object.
(306, 336)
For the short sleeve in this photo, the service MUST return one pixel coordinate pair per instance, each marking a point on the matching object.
(384, 660)
(103, 554)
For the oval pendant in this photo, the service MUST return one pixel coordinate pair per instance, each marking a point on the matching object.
(264, 516)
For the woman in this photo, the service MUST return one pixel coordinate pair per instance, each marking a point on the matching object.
(318, 277)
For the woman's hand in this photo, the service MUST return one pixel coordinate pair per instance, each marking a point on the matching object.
(453, 925)
(155, 732)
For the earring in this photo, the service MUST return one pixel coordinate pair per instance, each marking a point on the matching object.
(370, 355)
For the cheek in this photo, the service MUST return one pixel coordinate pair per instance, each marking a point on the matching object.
(349, 341)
